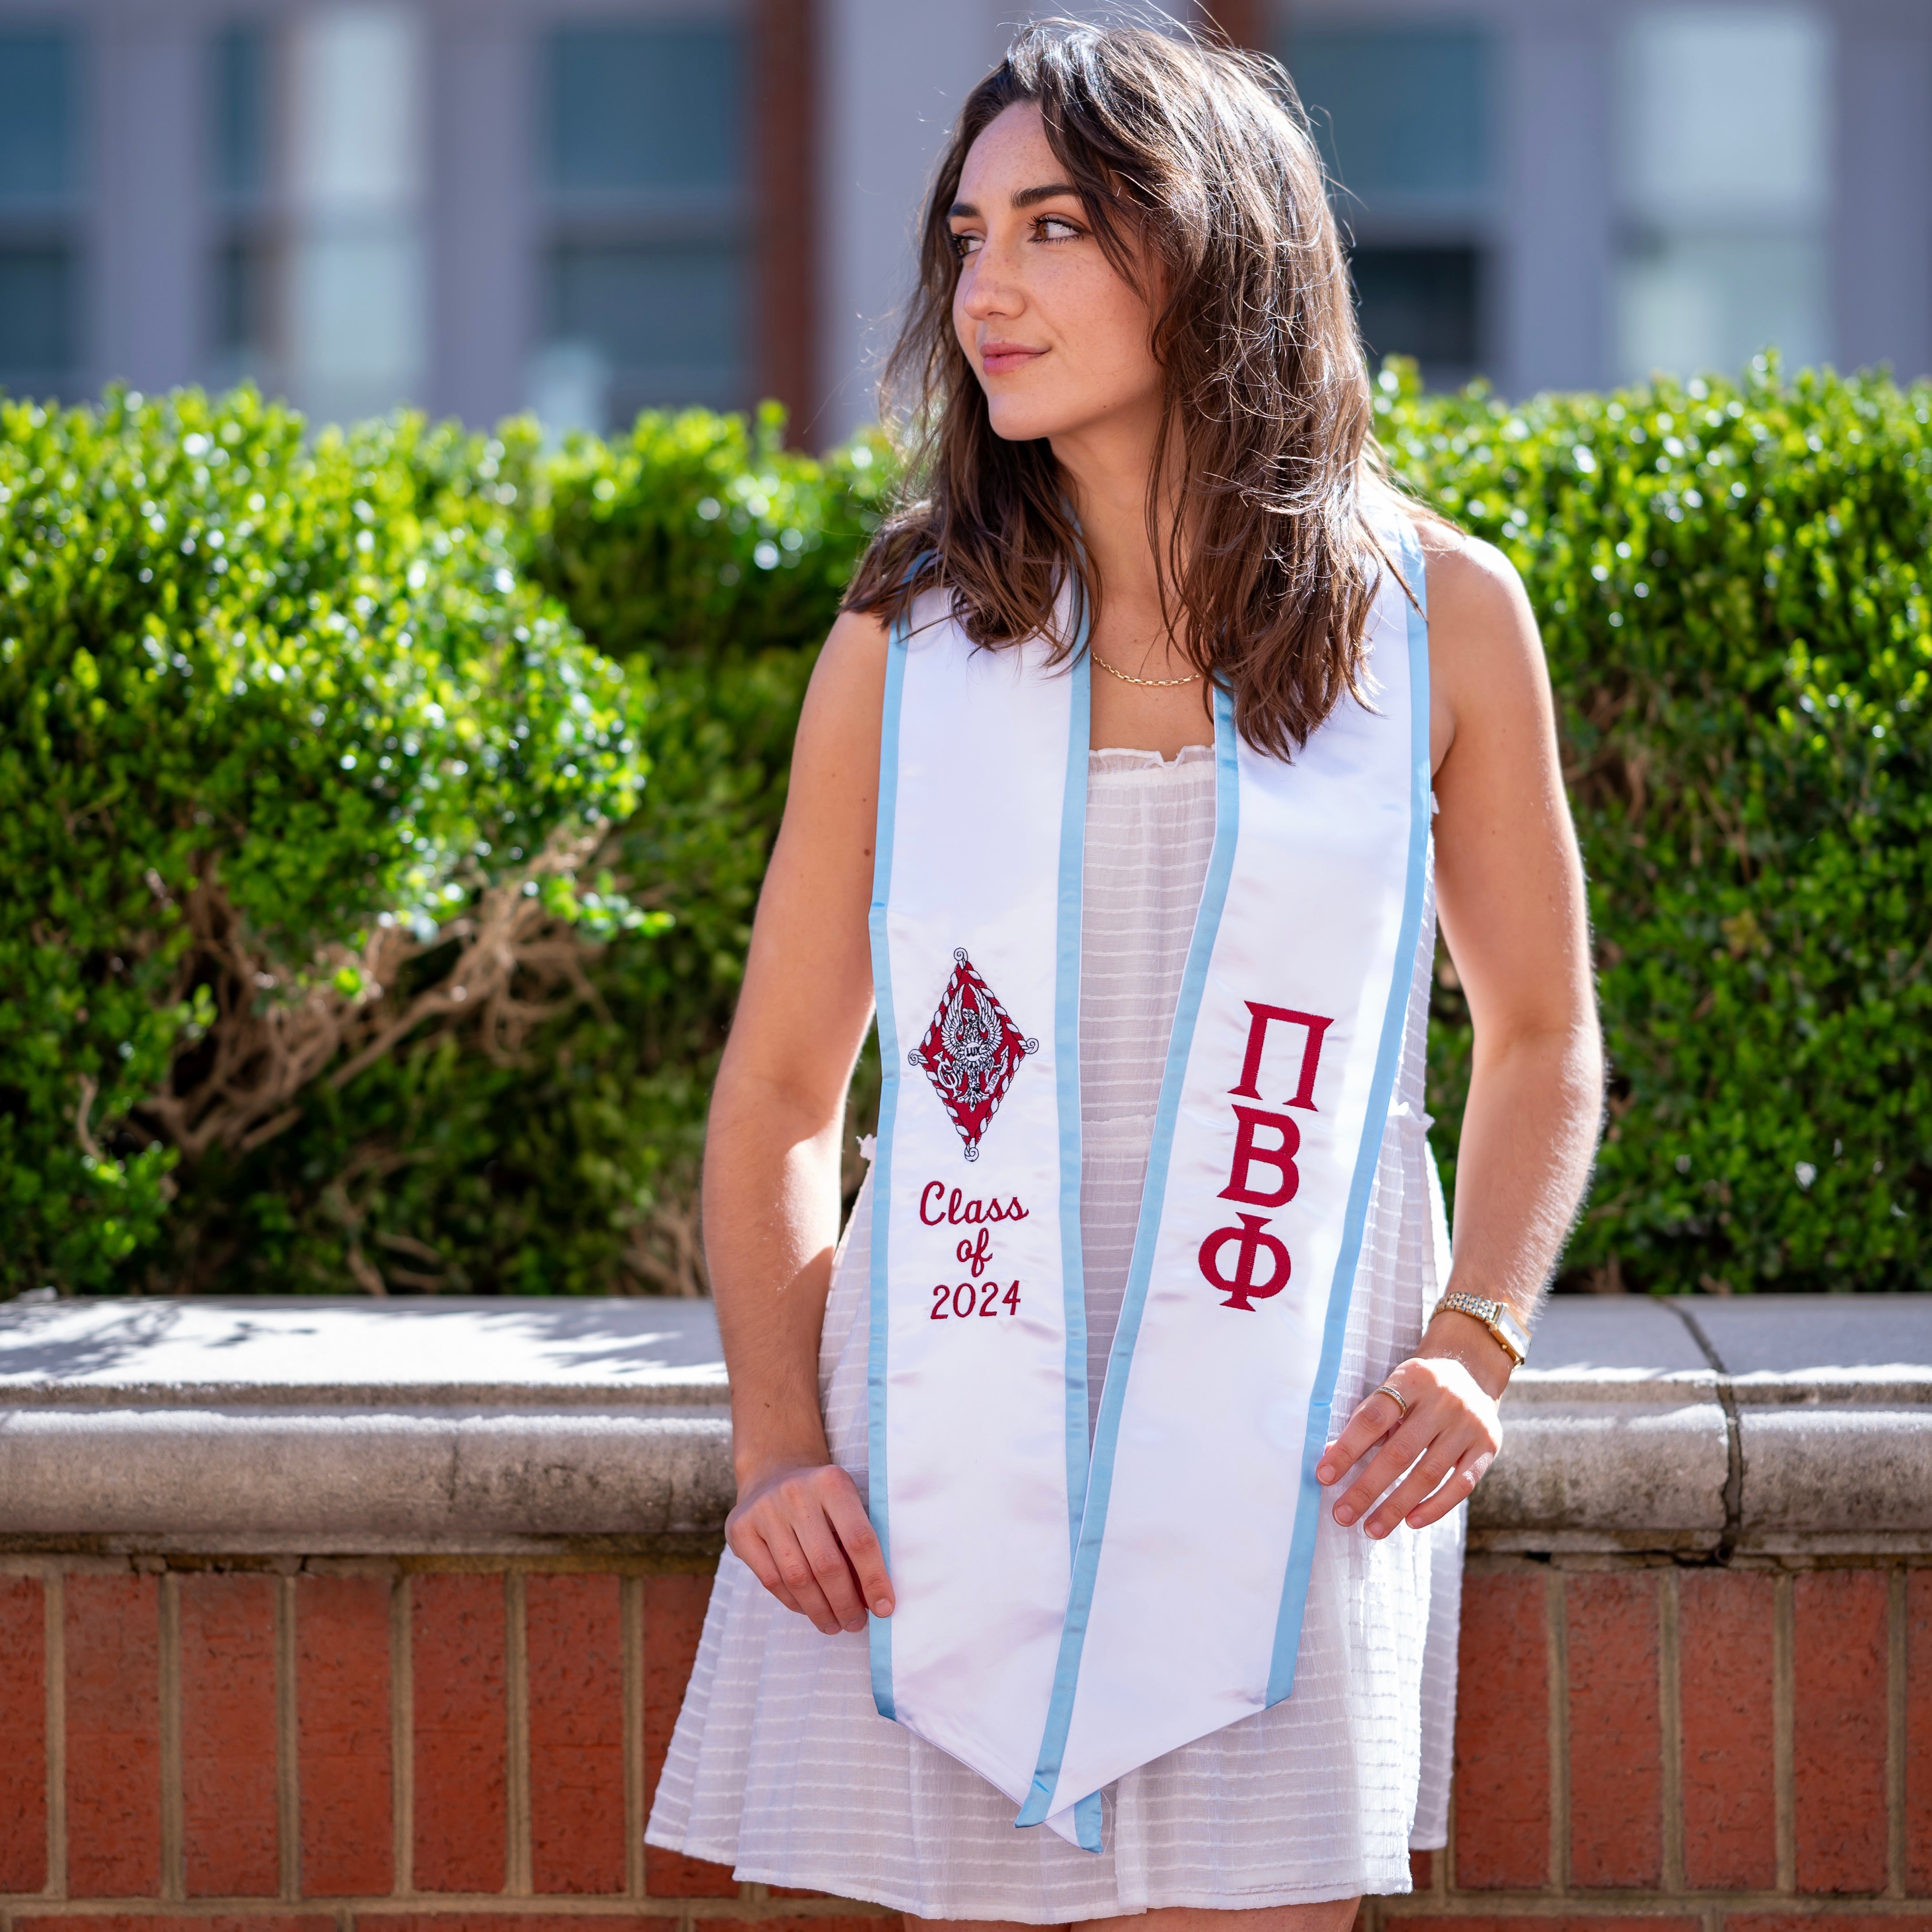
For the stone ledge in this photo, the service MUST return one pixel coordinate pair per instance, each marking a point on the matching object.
(1778, 1425)
(1798, 1427)
(1613, 1462)
(328, 1482)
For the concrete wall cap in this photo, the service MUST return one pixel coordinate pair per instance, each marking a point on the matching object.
(453, 1352)
(1781, 1427)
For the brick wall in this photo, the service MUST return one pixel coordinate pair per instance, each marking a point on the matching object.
(415, 1747)
(1721, 1749)
(336, 1747)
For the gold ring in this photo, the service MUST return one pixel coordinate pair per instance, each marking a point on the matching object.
(1395, 1395)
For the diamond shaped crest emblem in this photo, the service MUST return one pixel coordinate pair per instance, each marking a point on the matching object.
(970, 1051)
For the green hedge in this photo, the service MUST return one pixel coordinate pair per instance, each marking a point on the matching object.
(1732, 584)
(384, 816)
(270, 721)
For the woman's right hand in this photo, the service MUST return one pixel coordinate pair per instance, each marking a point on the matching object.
(802, 1532)
(771, 1159)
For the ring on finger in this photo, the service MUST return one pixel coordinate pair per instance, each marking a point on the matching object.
(1395, 1395)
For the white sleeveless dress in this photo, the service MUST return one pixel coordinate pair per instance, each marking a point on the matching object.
(781, 1768)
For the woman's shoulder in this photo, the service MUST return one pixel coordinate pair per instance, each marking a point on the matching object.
(853, 659)
(851, 667)
(1473, 588)
(1485, 653)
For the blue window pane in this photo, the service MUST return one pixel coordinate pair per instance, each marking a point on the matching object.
(1398, 110)
(37, 84)
(666, 318)
(644, 107)
(1423, 302)
(241, 290)
(37, 318)
(240, 145)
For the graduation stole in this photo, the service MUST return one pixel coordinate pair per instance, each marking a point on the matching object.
(1065, 1615)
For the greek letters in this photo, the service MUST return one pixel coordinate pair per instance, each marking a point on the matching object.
(937, 1209)
(1263, 1173)
(1241, 1288)
(1248, 1156)
(1311, 1052)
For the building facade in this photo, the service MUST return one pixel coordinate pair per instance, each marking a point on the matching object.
(589, 206)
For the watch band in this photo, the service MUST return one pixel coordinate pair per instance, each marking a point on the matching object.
(1508, 1331)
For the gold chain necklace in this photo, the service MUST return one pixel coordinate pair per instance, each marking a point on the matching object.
(1128, 677)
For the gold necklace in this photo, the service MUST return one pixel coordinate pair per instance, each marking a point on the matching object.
(1128, 677)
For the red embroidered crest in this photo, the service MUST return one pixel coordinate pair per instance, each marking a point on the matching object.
(970, 1051)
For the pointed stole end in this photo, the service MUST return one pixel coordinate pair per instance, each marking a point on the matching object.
(1086, 1815)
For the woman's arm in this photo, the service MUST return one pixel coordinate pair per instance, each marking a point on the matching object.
(1510, 887)
(771, 1150)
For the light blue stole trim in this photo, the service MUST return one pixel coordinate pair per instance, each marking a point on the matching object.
(1113, 1398)
(890, 1061)
(1066, 1062)
(1067, 1050)
(1388, 1058)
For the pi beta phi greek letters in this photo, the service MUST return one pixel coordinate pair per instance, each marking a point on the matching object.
(1250, 1237)
(971, 1051)
(1046, 1539)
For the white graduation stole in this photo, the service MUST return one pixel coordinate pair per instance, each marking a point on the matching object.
(1063, 1618)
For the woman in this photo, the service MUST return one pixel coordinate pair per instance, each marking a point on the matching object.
(1123, 751)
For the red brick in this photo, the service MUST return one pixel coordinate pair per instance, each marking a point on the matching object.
(460, 1920)
(1725, 1679)
(23, 1734)
(575, 1647)
(838, 1921)
(1422, 1869)
(343, 1731)
(536, 1921)
(1849, 1921)
(229, 1837)
(1502, 1736)
(1839, 1670)
(456, 1666)
(1616, 1729)
(674, 1610)
(113, 1737)
(1919, 1731)
(1394, 1913)
(222, 1921)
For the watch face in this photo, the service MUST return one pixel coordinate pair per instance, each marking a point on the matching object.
(1512, 1328)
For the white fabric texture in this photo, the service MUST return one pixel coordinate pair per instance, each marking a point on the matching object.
(780, 1767)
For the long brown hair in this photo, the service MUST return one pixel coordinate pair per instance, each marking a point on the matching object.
(1201, 155)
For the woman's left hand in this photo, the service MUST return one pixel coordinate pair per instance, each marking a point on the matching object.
(1430, 1459)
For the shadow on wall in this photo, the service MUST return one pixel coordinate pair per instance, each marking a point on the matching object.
(319, 1342)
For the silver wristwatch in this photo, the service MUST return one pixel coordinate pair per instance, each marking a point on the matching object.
(1511, 1336)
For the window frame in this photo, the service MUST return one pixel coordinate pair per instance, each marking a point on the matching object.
(644, 216)
(1457, 218)
(57, 220)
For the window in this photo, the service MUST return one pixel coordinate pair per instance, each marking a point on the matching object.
(240, 142)
(238, 150)
(317, 280)
(39, 183)
(1403, 116)
(643, 108)
(1422, 302)
(647, 272)
(354, 294)
(1399, 112)
(1724, 179)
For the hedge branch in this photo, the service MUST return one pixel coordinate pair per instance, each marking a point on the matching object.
(240, 1083)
